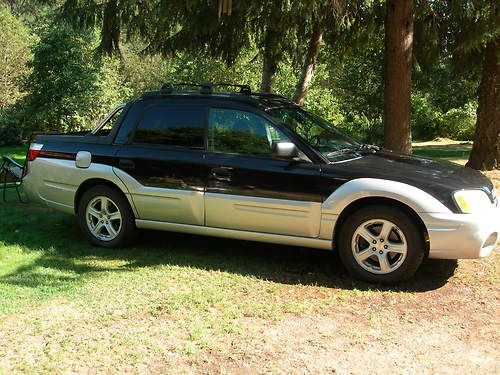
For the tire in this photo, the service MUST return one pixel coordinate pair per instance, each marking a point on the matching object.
(113, 226)
(381, 244)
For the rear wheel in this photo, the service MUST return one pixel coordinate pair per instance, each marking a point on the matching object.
(381, 244)
(105, 217)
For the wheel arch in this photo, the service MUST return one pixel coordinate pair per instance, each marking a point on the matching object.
(370, 201)
(91, 182)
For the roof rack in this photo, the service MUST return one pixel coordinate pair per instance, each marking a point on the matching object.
(206, 88)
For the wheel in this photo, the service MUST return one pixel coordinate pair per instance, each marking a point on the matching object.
(105, 217)
(381, 244)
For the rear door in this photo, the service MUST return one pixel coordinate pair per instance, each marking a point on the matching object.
(162, 164)
(250, 189)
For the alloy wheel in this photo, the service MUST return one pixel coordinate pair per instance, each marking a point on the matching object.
(104, 219)
(379, 246)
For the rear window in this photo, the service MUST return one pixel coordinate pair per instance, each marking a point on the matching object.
(172, 126)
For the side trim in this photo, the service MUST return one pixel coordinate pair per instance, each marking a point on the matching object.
(236, 234)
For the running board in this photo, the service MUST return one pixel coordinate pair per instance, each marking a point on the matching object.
(235, 234)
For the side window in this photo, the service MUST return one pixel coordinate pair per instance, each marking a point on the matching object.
(110, 124)
(241, 132)
(173, 126)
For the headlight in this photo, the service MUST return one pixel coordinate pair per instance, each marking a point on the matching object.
(470, 201)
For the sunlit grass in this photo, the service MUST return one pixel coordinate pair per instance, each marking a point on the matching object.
(454, 151)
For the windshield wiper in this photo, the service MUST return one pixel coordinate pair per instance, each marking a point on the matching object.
(365, 146)
(341, 151)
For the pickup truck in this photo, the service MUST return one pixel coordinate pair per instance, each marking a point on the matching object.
(257, 167)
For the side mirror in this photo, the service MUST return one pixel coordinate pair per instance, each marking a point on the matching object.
(286, 150)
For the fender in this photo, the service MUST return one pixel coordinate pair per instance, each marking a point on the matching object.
(415, 198)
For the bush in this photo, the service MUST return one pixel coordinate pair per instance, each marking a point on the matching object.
(63, 80)
(428, 122)
(11, 130)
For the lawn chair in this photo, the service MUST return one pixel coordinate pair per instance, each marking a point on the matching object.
(11, 176)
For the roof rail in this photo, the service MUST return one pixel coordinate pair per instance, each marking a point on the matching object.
(244, 89)
(206, 88)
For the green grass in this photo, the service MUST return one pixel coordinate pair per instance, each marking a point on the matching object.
(18, 153)
(454, 151)
(193, 290)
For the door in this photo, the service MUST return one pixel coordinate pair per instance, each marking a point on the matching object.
(163, 164)
(248, 187)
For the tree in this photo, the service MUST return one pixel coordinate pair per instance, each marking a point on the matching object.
(310, 59)
(468, 33)
(274, 27)
(106, 15)
(62, 82)
(397, 74)
(15, 41)
(486, 148)
(316, 19)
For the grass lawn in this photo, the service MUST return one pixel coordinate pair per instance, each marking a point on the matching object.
(188, 304)
(17, 153)
(455, 151)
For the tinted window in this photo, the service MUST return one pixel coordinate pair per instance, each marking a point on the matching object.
(171, 126)
(234, 131)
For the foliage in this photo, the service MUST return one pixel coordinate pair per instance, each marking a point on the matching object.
(70, 87)
(11, 132)
(15, 41)
(62, 81)
(430, 122)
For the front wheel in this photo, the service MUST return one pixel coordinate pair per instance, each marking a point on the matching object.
(381, 244)
(106, 218)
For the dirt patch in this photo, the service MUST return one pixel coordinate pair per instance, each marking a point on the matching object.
(451, 330)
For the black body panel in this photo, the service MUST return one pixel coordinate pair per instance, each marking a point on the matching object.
(163, 168)
(263, 177)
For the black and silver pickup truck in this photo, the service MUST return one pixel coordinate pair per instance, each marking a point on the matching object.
(257, 167)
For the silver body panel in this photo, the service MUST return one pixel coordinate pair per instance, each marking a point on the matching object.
(159, 204)
(451, 236)
(279, 216)
(56, 181)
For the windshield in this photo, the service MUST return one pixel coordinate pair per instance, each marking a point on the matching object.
(319, 134)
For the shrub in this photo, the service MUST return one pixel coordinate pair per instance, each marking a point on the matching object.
(429, 122)
(11, 130)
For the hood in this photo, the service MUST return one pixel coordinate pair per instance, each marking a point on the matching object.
(438, 178)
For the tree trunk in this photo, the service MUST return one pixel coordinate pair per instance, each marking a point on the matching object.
(271, 59)
(309, 63)
(398, 58)
(110, 32)
(486, 149)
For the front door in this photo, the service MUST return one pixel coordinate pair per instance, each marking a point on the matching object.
(163, 165)
(248, 187)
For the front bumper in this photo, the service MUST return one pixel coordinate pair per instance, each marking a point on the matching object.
(462, 236)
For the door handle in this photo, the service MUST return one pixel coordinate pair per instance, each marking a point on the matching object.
(126, 164)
